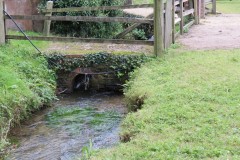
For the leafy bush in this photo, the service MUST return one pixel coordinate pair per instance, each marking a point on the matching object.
(139, 34)
(121, 65)
(86, 29)
(142, 32)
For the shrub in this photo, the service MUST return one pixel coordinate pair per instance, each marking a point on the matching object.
(142, 32)
(86, 29)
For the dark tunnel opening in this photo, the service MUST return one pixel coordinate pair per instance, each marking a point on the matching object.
(81, 82)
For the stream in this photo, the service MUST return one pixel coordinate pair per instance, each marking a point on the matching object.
(76, 124)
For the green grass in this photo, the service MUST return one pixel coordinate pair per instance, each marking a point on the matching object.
(191, 108)
(142, 1)
(223, 6)
(228, 7)
(42, 45)
(25, 84)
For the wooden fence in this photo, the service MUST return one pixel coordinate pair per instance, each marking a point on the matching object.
(167, 15)
(212, 4)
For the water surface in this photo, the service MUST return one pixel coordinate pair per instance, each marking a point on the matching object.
(66, 130)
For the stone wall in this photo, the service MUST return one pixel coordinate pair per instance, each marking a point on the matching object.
(23, 7)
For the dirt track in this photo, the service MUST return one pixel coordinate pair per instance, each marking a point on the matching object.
(214, 32)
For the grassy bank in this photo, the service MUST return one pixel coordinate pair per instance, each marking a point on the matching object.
(191, 109)
(25, 84)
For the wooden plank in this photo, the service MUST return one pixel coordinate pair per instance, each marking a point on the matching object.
(47, 23)
(168, 24)
(188, 12)
(196, 15)
(181, 16)
(129, 29)
(2, 24)
(79, 9)
(173, 21)
(158, 27)
(82, 18)
(5, 24)
(84, 40)
(191, 4)
(214, 7)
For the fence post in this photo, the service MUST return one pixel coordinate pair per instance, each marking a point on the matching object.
(168, 24)
(2, 24)
(196, 15)
(173, 21)
(158, 28)
(214, 7)
(47, 23)
(181, 16)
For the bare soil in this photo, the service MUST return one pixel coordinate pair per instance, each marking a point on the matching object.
(214, 32)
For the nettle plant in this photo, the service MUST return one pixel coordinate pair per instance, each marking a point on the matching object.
(120, 65)
(86, 29)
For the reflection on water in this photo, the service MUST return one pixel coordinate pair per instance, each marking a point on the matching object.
(75, 121)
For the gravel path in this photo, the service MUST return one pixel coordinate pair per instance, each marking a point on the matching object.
(214, 32)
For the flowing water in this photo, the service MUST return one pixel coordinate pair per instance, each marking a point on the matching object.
(75, 125)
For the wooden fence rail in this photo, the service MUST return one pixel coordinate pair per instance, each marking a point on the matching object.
(82, 18)
(164, 20)
(81, 9)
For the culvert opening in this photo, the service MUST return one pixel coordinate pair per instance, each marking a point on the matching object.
(97, 82)
(81, 82)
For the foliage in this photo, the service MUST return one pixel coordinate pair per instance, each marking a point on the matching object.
(86, 29)
(191, 108)
(26, 84)
(119, 64)
(139, 34)
(142, 32)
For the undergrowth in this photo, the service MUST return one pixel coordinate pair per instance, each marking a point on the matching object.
(190, 109)
(26, 84)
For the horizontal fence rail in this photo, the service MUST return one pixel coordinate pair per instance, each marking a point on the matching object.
(80, 9)
(88, 40)
(82, 18)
